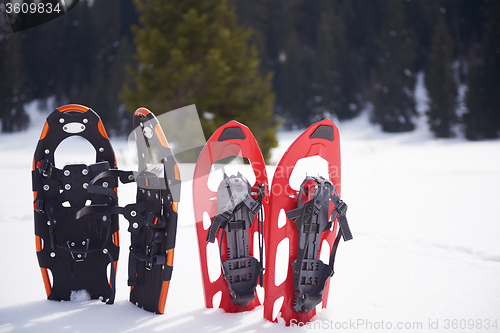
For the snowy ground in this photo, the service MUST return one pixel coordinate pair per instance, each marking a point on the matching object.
(425, 254)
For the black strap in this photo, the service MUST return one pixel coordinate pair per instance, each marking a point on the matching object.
(260, 228)
(98, 209)
(341, 210)
(333, 252)
(219, 222)
(111, 299)
(132, 270)
(125, 176)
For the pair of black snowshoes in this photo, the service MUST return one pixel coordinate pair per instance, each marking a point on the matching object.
(76, 211)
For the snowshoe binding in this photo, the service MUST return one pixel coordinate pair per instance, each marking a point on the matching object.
(311, 219)
(236, 213)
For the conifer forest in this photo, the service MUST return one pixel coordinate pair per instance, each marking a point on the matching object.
(267, 63)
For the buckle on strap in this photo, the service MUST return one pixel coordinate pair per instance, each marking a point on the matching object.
(45, 168)
(252, 204)
(341, 208)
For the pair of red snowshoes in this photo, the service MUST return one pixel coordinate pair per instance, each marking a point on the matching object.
(238, 214)
(76, 211)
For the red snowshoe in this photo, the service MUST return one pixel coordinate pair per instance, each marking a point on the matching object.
(235, 216)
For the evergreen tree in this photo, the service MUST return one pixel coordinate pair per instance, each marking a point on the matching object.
(193, 52)
(475, 119)
(393, 102)
(255, 14)
(363, 21)
(12, 86)
(81, 57)
(294, 82)
(111, 54)
(482, 120)
(492, 63)
(440, 82)
(333, 77)
(292, 63)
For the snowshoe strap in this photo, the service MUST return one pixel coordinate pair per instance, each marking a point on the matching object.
(341, 210)
(219, 222)
(98, 210)
(112, 279)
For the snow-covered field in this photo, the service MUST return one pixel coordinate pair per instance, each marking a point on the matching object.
(425, 254)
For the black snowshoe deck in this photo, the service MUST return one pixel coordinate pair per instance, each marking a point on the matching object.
(76, 252)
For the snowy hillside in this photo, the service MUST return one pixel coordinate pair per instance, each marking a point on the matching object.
(425, 254)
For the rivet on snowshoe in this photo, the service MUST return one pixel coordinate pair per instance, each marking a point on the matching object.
(101, 149)
(52, 254)
(104, 218)
(85, 186)
(133, 213)
(105, 184)
(135, 225)
(66, 173)
(67, 187)
(85, 120)
(61, 120)
(47, 151)
(85, 172)
(46, 187)
(105, 251)
(148, 132)
(130, 177)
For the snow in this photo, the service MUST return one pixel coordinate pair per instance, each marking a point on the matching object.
(423, 213)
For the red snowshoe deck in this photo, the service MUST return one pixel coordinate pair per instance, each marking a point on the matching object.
(321, 139)
(232, 139)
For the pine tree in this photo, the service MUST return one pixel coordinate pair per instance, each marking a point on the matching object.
(333, 72)
(291, 63)
(492, 64)
(393, 102)
(293, 82)
(193, 52)
(12, 85)
(440, 82)
(111, 54)
(482, 120)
